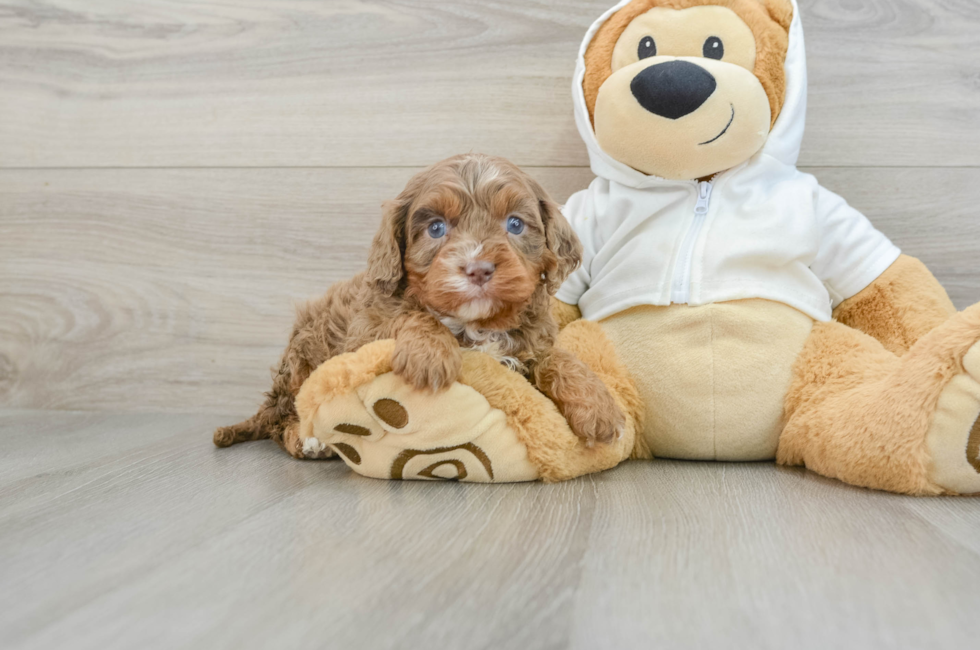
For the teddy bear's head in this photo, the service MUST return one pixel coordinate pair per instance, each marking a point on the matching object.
(683, 89)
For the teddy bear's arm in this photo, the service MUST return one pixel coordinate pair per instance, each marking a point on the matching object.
(905, 302)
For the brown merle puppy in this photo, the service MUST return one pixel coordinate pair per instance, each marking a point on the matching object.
(468, 255)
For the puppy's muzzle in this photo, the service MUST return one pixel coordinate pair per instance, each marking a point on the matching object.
(480, 272)
(673, 89)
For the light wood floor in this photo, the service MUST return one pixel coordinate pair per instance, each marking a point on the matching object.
(176, 174)
(127, 531)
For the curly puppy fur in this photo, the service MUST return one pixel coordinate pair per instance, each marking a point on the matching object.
(445, 272)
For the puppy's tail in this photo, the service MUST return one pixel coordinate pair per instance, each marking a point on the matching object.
(254, 428)
(273, 419)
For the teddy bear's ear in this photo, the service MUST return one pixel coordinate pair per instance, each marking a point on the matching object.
(781, 11)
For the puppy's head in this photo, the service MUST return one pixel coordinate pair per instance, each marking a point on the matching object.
(685, 88)
(474, 238)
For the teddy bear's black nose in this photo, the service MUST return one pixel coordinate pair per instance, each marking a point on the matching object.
(673, 89)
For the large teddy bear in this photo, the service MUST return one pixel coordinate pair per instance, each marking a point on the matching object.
(736, 309)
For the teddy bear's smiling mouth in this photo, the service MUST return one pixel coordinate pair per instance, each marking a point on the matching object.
(724, 131)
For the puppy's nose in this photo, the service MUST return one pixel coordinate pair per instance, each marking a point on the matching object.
(673, 89)
(480, 272)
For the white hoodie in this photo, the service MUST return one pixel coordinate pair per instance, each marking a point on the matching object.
(760, 230)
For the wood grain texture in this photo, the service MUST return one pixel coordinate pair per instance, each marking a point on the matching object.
(123, 531)
(174, 289)
(381, 83)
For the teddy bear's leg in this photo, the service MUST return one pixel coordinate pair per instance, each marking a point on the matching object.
(858, 412)
(556, 453)
(490, 426)
(563, 313)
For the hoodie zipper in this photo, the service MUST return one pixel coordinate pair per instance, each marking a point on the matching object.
(680, 292)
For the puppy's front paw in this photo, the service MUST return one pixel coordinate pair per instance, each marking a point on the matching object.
(427, 363)
(596, 419)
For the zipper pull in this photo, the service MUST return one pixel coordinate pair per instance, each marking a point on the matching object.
(704, 197)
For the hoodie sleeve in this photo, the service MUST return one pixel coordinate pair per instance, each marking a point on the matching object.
(852, 252)
(579, 210)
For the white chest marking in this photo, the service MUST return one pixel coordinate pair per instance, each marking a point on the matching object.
(496, 344)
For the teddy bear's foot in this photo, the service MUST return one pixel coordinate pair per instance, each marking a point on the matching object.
(907, 424)
(953, 440)
(490, 426)
(386, 429)
(383, 428)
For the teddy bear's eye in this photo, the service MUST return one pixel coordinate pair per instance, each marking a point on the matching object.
(647, 48)
(714, 48)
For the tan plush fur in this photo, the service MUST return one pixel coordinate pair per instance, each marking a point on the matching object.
(348, 371)
(564, 313)
(768, 21)
(423, 290)
(557, 455)
(860, 413)
(901, 306)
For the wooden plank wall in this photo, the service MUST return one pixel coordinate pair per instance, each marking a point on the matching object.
(174, 176)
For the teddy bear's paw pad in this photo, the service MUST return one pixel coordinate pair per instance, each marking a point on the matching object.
(348, 453)
(347, 419)
(353, 429)
(448, 418)
(387, 429)
(973, 447)
(391, 413)
(953, 440)
(461, 463)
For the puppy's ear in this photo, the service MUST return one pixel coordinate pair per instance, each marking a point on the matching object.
(386, 261)
(563, 243)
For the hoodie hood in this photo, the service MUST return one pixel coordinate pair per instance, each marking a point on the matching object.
(783, 143)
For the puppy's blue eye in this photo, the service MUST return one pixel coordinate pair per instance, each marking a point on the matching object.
(437, 229)
(515, 225)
